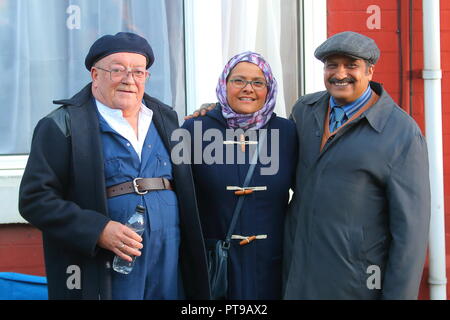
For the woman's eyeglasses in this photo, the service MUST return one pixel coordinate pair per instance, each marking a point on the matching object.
(241, 83)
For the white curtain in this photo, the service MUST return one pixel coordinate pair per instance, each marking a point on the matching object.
(256, 25)
(222, 28)
(44, 43)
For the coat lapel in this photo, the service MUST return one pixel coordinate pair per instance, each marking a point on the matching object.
(320, 113)
(87, 152)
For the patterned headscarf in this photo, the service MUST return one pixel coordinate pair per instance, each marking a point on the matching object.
(259, 118)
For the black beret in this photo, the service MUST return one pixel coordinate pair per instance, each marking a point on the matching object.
(121, 42)
(350, 44)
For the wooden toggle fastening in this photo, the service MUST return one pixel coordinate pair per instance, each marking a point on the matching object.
(241, 142)
(246, 240)
(245, 191)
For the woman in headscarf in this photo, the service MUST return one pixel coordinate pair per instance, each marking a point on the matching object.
(247, 94)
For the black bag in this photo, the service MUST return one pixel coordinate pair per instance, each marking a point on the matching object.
(217, 254)
(217, 250)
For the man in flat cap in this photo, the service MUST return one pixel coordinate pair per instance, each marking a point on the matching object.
(92, 161)
(357, 226)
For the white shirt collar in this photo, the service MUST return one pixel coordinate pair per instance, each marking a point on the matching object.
(116, 121)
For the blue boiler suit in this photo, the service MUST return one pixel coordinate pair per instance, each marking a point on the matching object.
(156, 272)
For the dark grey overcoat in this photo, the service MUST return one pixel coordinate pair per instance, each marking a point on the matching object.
(361, 207)
(63, 194)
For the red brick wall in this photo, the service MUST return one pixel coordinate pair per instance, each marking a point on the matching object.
(351, 15)
(21, 249)
(399, 69)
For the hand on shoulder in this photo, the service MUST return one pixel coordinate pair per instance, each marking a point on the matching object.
(204, 108)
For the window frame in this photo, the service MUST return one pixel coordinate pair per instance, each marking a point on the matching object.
(12, 163)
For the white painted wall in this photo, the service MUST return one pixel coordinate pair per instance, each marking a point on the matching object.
(11, 171)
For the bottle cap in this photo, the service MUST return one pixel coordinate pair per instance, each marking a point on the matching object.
(140, 209)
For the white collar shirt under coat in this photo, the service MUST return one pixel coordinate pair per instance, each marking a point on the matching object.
(117, 122)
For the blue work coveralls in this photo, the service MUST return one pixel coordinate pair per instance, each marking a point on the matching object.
(156, 272)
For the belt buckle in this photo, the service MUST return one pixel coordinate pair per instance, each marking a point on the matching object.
(136, 186)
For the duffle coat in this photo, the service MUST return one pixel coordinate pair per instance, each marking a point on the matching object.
(357, 227)
(254, 269)
(63, 194)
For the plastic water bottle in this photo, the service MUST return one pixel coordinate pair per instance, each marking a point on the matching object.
(135, 223)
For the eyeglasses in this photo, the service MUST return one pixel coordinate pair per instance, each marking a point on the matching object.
(117, 74)
(241, 83)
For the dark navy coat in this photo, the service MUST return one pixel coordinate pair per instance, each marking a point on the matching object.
(63, 194)
(254, 269)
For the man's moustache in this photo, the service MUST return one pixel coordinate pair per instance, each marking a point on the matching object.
(345, 80)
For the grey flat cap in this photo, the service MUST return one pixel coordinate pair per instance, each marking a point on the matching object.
(350, 44)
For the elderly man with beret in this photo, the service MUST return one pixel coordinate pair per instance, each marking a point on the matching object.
(357, 227)
(92, 161)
